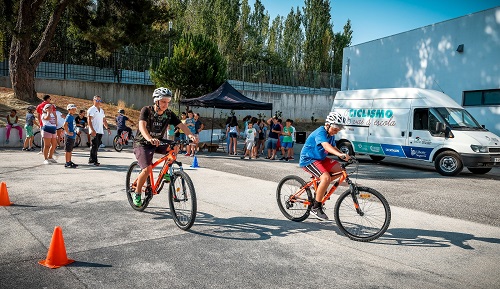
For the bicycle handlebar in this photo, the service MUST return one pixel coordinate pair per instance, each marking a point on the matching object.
(351, 160)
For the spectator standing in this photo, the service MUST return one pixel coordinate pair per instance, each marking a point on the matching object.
(250, 141)
(82, 125)
(49, 133)
(190, 123)
(13, 122)
(272, 141)
(182, 135)
(290, 157)
(286, 145)
(69, 131)
(262, 137)
(233, 131)
(199, 126)
(97, 119)
(60, 126)
(39, 109)
(30, 121)
(171, 132)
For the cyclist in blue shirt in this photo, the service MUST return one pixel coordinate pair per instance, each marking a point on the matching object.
(313, 157)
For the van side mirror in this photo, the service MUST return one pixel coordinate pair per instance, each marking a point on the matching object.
(440, 127)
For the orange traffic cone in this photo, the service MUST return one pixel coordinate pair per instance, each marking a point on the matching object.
(4, 195)
(56, 257)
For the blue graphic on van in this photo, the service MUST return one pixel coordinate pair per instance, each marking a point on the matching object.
(417, 152)
(371, 113)
(393, 150)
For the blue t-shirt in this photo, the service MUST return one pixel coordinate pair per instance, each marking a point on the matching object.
(121, 121)
(71, 125)
(193, 127)
(274, 127)
(313, 150)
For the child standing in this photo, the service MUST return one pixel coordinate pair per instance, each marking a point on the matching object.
(250, 141)
(287, 140)
(69, 130)
(12, 122)
(30, 120)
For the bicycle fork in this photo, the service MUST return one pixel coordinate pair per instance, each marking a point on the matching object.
(354, 195)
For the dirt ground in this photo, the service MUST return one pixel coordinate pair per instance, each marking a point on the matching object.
(9, 102)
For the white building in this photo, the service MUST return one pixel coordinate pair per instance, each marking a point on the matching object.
(460, 57)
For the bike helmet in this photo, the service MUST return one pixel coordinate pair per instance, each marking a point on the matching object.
(335, 118)
(121, 111)
(31, 107)
(160, 93)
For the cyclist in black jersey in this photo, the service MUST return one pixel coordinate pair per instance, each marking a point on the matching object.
(153, 121)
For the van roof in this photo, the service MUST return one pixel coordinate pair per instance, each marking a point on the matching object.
(431, 98)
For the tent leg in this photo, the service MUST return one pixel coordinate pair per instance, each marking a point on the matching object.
(212, 134)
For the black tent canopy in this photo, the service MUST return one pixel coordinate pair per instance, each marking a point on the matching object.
(226, 97)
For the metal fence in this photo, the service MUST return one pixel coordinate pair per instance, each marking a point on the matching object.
(84, 64)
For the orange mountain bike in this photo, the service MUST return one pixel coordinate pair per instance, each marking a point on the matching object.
(181, 194)
(361, 213)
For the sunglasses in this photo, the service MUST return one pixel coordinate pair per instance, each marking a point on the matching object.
(97, 100)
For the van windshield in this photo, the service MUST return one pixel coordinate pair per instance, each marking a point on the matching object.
(458, 118)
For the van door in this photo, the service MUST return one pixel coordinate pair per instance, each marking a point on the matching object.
(423, 137)
(388, 131)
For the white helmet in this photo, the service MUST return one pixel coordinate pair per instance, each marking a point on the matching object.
(160, 93)
(335, 118)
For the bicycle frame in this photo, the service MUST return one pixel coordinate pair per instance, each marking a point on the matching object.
(340, 177)
(168, 160)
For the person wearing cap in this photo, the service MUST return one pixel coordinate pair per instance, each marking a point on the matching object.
(97, 119)
(49, 133)
(153, 122)
(39, 109)
(69, 131)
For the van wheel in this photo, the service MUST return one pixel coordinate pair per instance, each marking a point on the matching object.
(376, 158)
(448, 163)
(345, 147)
(479, 171)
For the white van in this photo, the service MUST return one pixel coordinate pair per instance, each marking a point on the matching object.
(415, 124)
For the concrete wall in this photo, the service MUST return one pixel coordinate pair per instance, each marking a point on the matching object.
(427, 58)
(299, 107)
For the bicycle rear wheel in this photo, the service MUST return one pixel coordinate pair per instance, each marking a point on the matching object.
(182, 200)
(370, 222)
(37, 139)
(291, 205)
(146, 193)
(118, 143)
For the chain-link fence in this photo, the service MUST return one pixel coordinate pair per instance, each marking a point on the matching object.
(85, 64)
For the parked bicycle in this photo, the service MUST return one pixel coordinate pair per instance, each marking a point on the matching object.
(361, 213)
(181, 193)
(121, 140)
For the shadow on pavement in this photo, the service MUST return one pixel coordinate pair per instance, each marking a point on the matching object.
(87, 264)
(431, 238)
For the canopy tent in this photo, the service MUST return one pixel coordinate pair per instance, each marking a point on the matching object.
(227, 97)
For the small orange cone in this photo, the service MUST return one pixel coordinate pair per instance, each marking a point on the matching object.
(4, 195)
(56, 257)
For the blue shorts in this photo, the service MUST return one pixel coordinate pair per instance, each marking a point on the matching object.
(272, 143)
(287, 145)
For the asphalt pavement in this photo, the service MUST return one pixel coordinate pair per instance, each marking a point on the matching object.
(240, 238)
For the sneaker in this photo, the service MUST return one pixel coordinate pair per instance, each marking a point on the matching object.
(96, 164)
(46, 162)
(52, 160)
(6, 141)
(249, 158)
(88, 144)
(267, 158)
(32, 149)
(26, 149)
(286, 159)
(282, 158)
(192, 155)
(318, 213)
(137, 199)
(102, 146)
(242, 157)
(291, 158)
(187, 155)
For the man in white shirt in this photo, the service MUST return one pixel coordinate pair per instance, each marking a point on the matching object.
(96, 119)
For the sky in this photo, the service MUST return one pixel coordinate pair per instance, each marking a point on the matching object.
(374, 19)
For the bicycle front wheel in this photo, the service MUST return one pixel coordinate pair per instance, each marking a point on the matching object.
(130, 184)
(37, 139)
(182, 200)
(118, 143)
(295, 207)
(370, 221)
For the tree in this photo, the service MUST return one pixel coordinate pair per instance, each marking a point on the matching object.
(196, 67)
(293, 38)
(110, 24)
(340, 41)
(319, 35)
